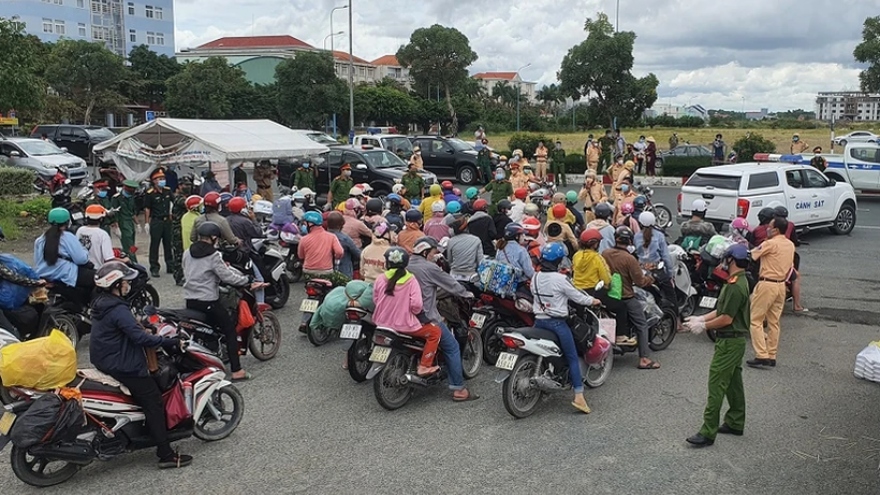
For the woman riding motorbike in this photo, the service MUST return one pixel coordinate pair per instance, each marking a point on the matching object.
(651, 249)
(511, 251)
(59, 256)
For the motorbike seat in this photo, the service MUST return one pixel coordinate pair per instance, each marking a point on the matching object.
(322, 281)
(183, 314)
(538, 333)
(96, 386)
(400, 334)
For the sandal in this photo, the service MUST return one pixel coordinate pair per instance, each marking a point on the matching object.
(470, 396)
(624, 340)
(584, 408)
(247, 376)
(424, 371)
(652, 365)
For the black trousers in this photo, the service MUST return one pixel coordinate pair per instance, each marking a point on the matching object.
(146, 394)
(615, 306)
(220, 319)
(85, 277)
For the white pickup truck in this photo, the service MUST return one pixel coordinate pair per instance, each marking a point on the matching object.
(741, 190)
(859, 165)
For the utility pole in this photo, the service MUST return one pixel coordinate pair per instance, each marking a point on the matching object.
(333, 56)
(350, 71)
(617, 18)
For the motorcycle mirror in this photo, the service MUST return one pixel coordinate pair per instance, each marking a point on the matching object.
(600, 285)
(661, 265)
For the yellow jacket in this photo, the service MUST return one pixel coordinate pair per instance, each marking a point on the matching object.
(425, 207)
(589, 268)
(596, 191)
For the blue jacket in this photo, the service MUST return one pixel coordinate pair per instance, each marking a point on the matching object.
(515, 255)
(450, 197)
(71, 254)
(350, 252)
(117, 342)
(656, 251)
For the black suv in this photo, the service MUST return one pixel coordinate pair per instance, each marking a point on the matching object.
(78, 139)
(449, 157)
(377, 167)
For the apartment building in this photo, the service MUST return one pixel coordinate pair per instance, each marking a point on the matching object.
(848, 105)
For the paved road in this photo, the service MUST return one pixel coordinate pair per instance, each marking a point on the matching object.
(811, 427)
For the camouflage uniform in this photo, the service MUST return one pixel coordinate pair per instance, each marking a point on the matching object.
(607, 144)
(178, 209)
(124, 217)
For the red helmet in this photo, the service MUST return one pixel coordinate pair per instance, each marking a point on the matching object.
(598, 351)
(590, 235)
(627, 208)
(193, 202)
(446, 184)
(481, 205)
(532, 225)
(521, 193)
(237, 204)
(212, 200)
(559, 211)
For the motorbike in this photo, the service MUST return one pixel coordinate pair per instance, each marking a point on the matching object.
(271, 263)
(115, 424)
(685, 292)
(288, 243)
(316, 290)
(492, 314)
(67, 311)
(142, 293)
(534, 366)
(542, 197)
(661, 322)
(45, 184)
(359, 328)
(661, 212)
(395, 358)
(709, 278)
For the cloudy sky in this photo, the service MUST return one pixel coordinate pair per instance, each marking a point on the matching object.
(773, 53)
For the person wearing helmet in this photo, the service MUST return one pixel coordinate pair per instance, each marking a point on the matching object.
(357, 193)
(415, 160)
(224, 203)
(640, 202)
(354, 227)
(500, 187)
(624, 195)
(157, 213)
(394, 214)
(398, 300)
(571, 199)
(436, 225)
(621, 261)
(696, 232)
(740, 232)
(244, 228)
(340, 186)
(92, 237)
(126, 207)
(464, 251)
(518, 178)
(798, 146)
(351, 251)
(449, 195)
(241, 191)
(471, 194)
(531, 210)
(373, 256)
(193, 204)
(308, 200)
(412, 230)
(541, 154)
(592, 193)
(436, 195)
(204, 270)
(318, 248)
(101, 188)
(588, 266)
(482, 225)
(211, 206)
(59, 256)
(552, 292)
(603, 213)
(731, 322)
(512, 252)
(373, 212)
(432, 280)
(305, 176)
(627, 217)
(116, 348)
(413, 183)
(651, 250)
(557, 217)
(502, 216)
(452, 209)
(567, 217)
(614, 171)
(518, 205)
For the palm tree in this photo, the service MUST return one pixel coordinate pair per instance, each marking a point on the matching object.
(504, 93)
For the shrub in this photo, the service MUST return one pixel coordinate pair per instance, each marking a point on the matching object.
(575, 163)
(16, 181)
(527, 142)
(26, 212)
(752, 143)
(684, 166)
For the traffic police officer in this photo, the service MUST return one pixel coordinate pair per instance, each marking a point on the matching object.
(731, 322)
(157, 213)
(413, 183)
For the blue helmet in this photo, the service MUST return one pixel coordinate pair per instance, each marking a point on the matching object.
(313, 217)
(394, 198)
(225, 197)
(553, 252)
(738, 252)
(453, 207)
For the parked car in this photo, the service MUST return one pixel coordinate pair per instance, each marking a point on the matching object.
(857, 137)
(398, 144)
(78, 139)
(377, 167)
(859, 165)
(319, 137)
(42, 157)
(448, 157)
(684, 150)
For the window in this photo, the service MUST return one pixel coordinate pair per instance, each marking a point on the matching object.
(794, 178)
(130, 8)
(362, 71)
(132, 36)
(151, 38)
(815, 179)
(58, 2)
(351, 159)
(59, 27)
(865, 155)
(81, 30)
(160, 38)
(158, 12)
(149, 11)
(81, 4)
(716, 181)
(764, 179)
(47, 26)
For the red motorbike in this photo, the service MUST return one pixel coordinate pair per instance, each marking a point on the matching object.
(494, 315)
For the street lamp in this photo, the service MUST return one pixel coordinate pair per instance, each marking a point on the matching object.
(333, 55)
(330, 37)
(350, 75)
(518, 91)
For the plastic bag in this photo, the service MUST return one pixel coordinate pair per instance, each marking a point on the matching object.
(718, 245)
(12, 296)
(46, 363)
(176, 411)
(49, 419)
(245, 316)
(868, 363)
(616, 289)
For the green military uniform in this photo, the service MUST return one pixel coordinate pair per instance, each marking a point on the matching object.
(414, 184)
(340, 188)
(178, 210)
(484, 162)
(500, 189)
(124, 218)
(557, 166)
(305, 177)
(819, 162)
(159, 202)
(606, 144)
(725, 372)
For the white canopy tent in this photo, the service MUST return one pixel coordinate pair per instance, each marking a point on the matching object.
(216, 144)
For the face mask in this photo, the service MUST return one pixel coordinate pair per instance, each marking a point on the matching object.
(631, 249)
(624, 188)
(795, 139)
(124, 288)
(347, 173)
(102, 194)
(161, 183)
(558, 146)
(499, 176)
(126, 193)
(306, 165)
(503, 164)
(620, 162)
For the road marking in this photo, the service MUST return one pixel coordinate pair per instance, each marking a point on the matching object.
(871, 227)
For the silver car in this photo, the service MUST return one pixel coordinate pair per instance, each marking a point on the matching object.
(42, 157)
(856, 137)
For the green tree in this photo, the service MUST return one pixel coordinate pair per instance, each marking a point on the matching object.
(309, 90)
(752, 143)
(88, 74)
(868, 52)
(504, 93)
(150, 73)
(206, 90)
(600, 68)
(385, 104)
(21, 87)
(438, 55)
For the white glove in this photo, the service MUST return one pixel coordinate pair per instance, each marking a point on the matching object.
(141, 229)
(116, 232)
(695, 324)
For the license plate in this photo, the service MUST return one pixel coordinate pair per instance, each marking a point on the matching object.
(478, 320)
(6, 422)
(309, 305)
(350, 331)
(380, 354)
(506, 361)
(708, 302)
(77, 216)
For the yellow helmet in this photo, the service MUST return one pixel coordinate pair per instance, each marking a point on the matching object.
(256, 197)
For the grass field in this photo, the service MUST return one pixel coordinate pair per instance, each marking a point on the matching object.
(574, 142)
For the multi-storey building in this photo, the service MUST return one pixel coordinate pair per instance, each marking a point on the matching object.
(490, 79)
(848, 105)
(119, 24)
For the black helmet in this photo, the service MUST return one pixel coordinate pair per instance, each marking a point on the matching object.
(554, 229)
(413, 216)
(374, 206)
(603, 211)
(780, 211)
(640, 202)
(765, 215)
(396, 257)
(208, 229)
(513, 230)
(504, 205)
(425, 245)
(623, 234)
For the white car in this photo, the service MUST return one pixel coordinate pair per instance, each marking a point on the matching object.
(41, 157)
(856, 137)
(395, 143)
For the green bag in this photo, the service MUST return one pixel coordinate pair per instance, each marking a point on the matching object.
(691, 243)
(616, 289)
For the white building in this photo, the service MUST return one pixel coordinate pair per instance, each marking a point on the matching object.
(490, 79)
(848, 105)
(677, 111)
(388, 66)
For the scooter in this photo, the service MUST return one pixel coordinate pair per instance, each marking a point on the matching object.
(493, 314)
(273, 266)
(359, 328)
(542, 197)
(316, 290)
(661, 212)
(685, 292)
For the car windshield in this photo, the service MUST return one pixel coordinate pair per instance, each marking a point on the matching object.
(321, 138)
(394, 144)
(459, 145)
(716, 181)
(38, 147)
(100, 133)
(383, 159)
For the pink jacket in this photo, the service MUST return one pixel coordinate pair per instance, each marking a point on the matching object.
(355, 228)
(318, 248)
(399, 311)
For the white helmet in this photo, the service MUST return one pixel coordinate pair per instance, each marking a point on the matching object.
(698, 205)
(112, 273)
(366, 187)
(356, 191)
(306, 192)
(647, 219)
(438, 206)
(396, 188)
(533, 186)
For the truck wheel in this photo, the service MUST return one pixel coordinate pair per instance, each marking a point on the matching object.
(467, 174)
(845, 221)
(843, 142)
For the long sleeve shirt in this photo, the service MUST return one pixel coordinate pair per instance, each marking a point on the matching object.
(515, 255)
(350, 253)
(656, 251)
(318, 249)
(552, 292)
(620, 261)
(398, 311)
(71, 254)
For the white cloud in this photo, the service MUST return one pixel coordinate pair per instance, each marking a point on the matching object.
(777, 53)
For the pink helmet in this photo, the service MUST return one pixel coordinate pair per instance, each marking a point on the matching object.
(352, 204)
(739, 224)
(598, 351)
(627, 208)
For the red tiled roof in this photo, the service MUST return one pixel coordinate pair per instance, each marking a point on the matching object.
(387, 60)
(343, 56)
(507, 76)
(281, 41)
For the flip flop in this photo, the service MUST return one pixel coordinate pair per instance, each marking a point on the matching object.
(247, 376)
(652, 365)
(582, 408)
(802, 310)
(471, 396)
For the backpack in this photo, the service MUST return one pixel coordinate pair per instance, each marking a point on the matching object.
(49, 419)
(13, 296)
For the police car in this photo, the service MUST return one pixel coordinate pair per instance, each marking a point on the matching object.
(741, 190)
